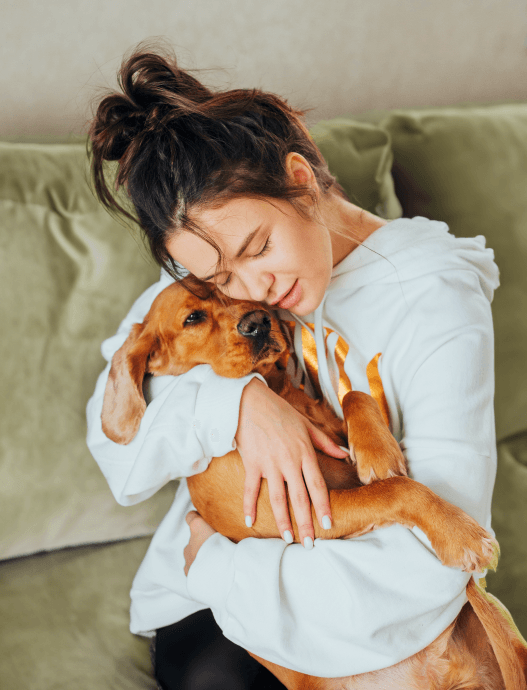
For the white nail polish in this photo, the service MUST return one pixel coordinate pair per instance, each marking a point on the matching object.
(308, 543)
(288, 537)
(326, 522)
(248, 521)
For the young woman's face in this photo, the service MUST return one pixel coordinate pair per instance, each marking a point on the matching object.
(285, 251)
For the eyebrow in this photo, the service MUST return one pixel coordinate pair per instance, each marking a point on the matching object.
(246, 242)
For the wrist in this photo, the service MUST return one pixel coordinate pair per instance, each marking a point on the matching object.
(252, 393)
(211, 585)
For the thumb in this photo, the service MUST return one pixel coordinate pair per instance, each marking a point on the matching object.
(324, 443)
(192, 515)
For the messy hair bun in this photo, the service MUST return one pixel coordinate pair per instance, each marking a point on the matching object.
(181, 145)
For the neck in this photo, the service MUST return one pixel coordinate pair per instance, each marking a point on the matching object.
(352, 226)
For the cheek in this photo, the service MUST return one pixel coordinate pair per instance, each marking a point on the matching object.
(236, 290)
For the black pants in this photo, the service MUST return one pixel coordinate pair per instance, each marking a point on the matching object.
(193, 654)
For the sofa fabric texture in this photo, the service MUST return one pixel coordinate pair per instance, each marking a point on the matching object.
(65, 620)
(70, 272)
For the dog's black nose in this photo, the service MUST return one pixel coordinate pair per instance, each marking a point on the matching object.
(255, 324)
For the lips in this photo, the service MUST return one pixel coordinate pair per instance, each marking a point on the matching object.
(292, 297)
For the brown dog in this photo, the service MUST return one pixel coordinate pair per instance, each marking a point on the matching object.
(480, 649)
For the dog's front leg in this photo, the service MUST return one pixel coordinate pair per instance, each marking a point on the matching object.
(372, 446)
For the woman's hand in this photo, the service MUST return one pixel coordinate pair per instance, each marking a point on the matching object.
(200, 531)
(276, 441)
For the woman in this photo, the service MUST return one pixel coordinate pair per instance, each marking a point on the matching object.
(231, 186)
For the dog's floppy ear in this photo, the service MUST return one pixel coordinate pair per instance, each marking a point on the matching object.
(124, 404)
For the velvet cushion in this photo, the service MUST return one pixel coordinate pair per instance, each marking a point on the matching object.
(65, 618)
(509, 520)
(360, 157)
(467, 166)
(68, 275)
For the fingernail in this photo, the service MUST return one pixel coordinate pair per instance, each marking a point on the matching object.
(248, 521)
(326, 522)
(308, 543)
(288, 537)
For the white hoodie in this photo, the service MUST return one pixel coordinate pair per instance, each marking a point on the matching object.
(422, 299)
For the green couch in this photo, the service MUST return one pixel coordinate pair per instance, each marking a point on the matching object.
(70, 272)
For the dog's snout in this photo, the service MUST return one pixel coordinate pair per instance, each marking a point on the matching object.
(255, 324)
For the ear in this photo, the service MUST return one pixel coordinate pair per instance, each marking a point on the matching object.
(300, 171)
(124, 404)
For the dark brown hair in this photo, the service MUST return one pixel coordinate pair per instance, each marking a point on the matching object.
(181, 146)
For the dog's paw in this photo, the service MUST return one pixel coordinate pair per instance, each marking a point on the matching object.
(379, 462)
(486, 556)
(467, 546)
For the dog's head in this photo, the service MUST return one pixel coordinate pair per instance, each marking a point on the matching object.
(180, 331)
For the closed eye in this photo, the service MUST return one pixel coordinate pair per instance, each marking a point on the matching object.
(266, 248)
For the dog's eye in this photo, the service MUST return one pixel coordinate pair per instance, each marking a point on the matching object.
(195, 317)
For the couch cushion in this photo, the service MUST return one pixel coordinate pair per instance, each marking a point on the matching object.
(65, 618)
(509, 519)
(468, 167)
(69, 273)
(360, 157)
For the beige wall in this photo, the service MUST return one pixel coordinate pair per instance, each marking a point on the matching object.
(336, 56)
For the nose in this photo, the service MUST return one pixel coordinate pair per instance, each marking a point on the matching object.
(255, 324)
(251, 285)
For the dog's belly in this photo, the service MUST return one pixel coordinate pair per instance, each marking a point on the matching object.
(218, 492)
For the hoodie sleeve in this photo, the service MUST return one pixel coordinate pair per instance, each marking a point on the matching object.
(354, 606)
(189, 419)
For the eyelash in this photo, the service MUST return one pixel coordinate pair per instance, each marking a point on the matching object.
(266, 248)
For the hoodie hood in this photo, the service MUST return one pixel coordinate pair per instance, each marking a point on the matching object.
(409, 248)
(403, 249)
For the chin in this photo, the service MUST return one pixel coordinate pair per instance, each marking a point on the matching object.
(309, 305)
(300, 310)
